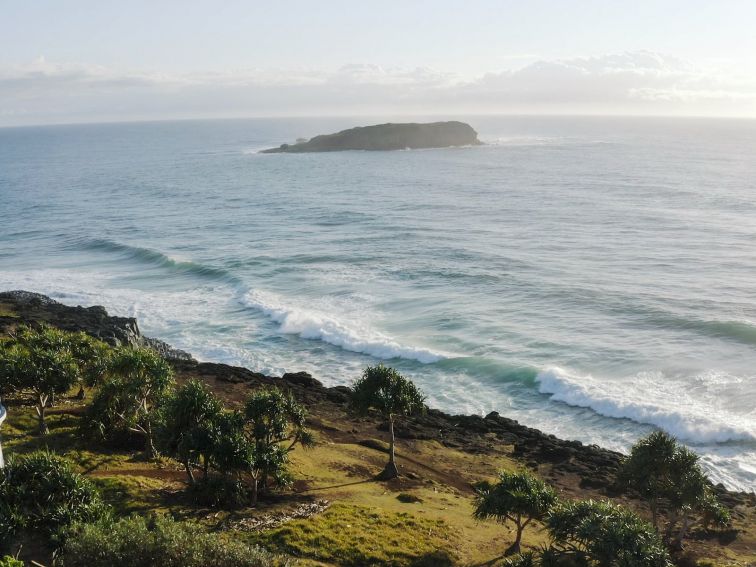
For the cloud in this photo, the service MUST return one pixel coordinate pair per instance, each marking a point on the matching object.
(642, 82)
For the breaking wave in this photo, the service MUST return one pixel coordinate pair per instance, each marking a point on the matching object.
(650, 400)
(352, 337)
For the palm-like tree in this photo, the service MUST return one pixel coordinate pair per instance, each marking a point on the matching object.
(605, 535)
(142, 378)
(517, 497)
(648, 469)
(383, 389)
(39, 360)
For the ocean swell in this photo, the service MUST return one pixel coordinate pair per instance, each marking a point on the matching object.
(313, 325)
(647, 402)
(151, 257)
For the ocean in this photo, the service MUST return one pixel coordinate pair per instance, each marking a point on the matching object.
(591, 277)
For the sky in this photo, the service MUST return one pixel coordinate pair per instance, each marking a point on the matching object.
(100, 61)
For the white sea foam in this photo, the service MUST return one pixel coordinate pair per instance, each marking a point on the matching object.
(354, 337)
(651, 398)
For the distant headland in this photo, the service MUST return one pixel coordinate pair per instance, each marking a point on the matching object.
(384, 137)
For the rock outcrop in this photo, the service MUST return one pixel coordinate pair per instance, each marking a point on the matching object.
(28, 307)
(382, 137)
(595, 467)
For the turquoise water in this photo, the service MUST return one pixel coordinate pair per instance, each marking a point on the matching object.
(594, 278)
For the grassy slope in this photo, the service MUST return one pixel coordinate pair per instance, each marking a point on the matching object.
(424, 518)
(367, 521)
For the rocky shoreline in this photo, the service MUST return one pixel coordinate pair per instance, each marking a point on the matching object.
(594, 466)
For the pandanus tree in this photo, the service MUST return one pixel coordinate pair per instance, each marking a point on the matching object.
(601, 534)
(92, 357)
(39, 360)
(393, 396)
(517, 497)
(274, 425)
(136, 383)
(663, 471)
(647, 470)
(189, 426)
(688, 492)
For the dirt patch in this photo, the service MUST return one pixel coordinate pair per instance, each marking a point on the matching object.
(276, 519)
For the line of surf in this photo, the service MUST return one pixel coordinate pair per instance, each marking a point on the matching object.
(353, 336)
(688, 420)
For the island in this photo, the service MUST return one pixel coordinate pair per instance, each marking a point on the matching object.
(384, 137)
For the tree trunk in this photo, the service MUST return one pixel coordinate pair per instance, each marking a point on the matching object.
(189, 471)
(206, 467)
(515, 547)
(41, 409)
(683, 530)
(254, 492)
(152, 452)
(671, 525)
(391, 470)
(654, 515)
(3, 415)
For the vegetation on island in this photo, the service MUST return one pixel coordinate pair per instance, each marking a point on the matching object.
(117, 459)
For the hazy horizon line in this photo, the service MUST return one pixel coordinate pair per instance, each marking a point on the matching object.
(446, 117)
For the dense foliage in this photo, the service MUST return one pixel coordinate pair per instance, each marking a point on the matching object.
(385, 390)
(665, 472)
(274, 424)
(161, 542)
(251, 446)
(604, 534)
(517, 497)
(40, 493)
(189, 426)
(135, 384)
(40, 360)
(596, 534)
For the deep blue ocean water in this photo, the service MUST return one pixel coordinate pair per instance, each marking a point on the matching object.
(592, 277)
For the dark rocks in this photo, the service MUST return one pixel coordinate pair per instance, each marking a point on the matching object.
(595, 467)
(116, 331)
(302, 379)
(382, 137)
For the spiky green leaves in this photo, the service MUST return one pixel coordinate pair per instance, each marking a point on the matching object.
(385, 390)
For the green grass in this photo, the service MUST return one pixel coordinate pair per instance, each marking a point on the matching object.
(359, 536)
(131, 494)
(422, 519)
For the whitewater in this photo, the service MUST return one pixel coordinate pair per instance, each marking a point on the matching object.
(590, 277)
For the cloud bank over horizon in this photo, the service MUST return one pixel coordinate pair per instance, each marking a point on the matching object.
(629, 83)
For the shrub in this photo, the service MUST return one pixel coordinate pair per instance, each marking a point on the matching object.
(160, 542)
(274, 423)
(222, 491)
(40, 493)
(39, 360)
(603, 534)
(137, 382)
(9, 561)
(187, 430)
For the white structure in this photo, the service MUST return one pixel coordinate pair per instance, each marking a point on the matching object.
(3, 415)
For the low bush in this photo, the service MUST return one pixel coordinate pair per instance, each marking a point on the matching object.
(41, 494)
(225, 492)
(9, 561)
(160, 542)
